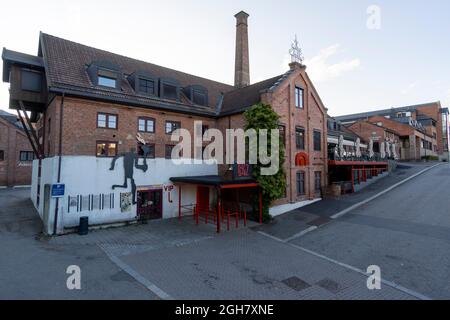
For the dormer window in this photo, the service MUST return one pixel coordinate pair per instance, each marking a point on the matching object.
(197, 94)
(170, 90)
(147, 86)
(144, 83)
(107, 78)
(105, 74)
(199, 97)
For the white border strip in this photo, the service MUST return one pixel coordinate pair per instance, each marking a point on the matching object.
(146, 283)
(359, 204)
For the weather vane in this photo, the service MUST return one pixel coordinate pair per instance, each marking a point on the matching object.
(296, 52)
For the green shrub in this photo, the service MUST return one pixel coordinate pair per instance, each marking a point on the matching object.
(430, 158)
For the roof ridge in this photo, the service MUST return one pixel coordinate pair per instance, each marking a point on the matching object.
(253, 84)
(138, 60)
(388, 109)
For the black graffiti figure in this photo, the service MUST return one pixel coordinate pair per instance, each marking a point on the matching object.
(131, 161)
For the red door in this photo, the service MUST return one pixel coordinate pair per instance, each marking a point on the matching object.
(203, 198)
(149, 204)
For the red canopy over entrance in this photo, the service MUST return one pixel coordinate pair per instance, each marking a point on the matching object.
(221, 185)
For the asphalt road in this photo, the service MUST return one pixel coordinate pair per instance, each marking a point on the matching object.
(406, 233)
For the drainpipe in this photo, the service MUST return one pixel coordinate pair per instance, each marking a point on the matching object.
(61, 113)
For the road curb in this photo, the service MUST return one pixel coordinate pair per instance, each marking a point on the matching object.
(359, 204)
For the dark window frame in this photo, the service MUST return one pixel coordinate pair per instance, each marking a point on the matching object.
(202, 93)
(2, 155)
(107, 142)
(317, 181)
(282, 130)
(298, 145)
(301, 174)
(299, 103)
(147, 80)
(317, 140)
(107, 115)
(178, 123)
(146, 119)
(107, 74)
(23, 84)
(166, 146)
(172, 83)
(26, 156)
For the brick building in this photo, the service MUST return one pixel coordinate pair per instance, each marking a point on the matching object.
(16, 154)
(423, 128)
(89, 105)
(378, 133)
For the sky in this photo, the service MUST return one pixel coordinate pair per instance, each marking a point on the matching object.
(361, 55)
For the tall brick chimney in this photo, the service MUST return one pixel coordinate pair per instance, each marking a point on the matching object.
(242, 64)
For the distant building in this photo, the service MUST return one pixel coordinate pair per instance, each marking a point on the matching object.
(351, 166)
(423, 128)
(16, 154)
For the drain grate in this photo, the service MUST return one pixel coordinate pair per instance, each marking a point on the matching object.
(330, 285)
(296, 283)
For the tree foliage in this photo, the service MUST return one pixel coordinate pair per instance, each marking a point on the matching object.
(262, 116)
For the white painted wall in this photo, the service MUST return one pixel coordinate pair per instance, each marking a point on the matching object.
(84, 175)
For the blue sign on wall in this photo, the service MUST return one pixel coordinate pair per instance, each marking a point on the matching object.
(58, 190)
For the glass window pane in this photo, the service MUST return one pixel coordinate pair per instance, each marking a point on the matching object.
(112, 121)
(101, 120)
(111, 149)
(141, 125)
(170, 92)
(106, 82)
(168, 127)
(150, 126)
(101, 149)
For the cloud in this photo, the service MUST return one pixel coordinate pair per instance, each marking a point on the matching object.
(322, 70)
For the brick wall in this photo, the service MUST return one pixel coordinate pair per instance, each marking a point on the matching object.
(14, 172)
(80, 131)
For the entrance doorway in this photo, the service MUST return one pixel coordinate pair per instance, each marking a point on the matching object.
(203, 197)
(149, 204)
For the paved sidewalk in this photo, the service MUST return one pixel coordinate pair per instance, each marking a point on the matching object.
(296, 223)
(179, 260)
(245, 265)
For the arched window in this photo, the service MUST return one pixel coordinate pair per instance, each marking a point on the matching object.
(301, 159)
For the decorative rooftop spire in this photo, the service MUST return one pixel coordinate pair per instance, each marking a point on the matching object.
(296, 52)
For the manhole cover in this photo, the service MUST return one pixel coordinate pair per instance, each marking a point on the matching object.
(296, 283)
(330, 285)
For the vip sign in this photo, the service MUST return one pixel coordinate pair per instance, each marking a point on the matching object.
(169, 189)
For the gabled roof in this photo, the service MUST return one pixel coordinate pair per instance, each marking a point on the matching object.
(239, 100)
(383, 112)
(12, 119)
(67, 71)
(374, 125)
(67, 61)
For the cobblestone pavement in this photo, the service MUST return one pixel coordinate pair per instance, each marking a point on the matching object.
(179, 260)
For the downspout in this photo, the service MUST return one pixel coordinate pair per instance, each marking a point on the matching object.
(291, 197)
(61, 114)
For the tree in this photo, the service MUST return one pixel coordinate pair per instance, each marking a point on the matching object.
(262, 116)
